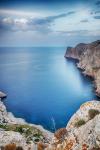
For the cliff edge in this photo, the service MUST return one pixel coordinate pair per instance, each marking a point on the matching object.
(89, 60)
(16, 134)
(81, 133)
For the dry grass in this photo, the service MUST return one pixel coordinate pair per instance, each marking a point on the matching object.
(59, 134)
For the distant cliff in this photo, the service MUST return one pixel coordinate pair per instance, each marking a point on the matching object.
(89, 60)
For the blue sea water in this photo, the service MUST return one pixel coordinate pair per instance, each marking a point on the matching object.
(42, 86)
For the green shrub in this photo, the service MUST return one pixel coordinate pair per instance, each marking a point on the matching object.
(2, 126)
(19, 129)
(19, 148)
(92, 113)
(30, 132)
(80, 123)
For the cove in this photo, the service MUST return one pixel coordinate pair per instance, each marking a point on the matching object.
(42, 86)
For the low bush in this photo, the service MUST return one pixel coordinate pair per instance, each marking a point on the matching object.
(92, 113)
(95, 148)
(19, 129)
(60, 133)
(10, 147)
(80, 123)
(19, 148)
(41, 146)
(2, 126)
(28, 131)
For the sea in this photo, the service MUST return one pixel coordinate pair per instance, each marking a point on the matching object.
(42, 86)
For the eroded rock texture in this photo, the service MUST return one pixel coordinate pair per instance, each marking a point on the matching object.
(89, 60)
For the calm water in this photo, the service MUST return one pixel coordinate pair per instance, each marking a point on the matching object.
(42, 86)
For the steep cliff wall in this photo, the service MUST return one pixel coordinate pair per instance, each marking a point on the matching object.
(82, 131)
(89, 60)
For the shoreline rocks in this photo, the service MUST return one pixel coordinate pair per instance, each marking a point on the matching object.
(89, 60)
(18, 131)
(2, 95)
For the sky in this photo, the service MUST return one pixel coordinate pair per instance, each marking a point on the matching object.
(25, 23)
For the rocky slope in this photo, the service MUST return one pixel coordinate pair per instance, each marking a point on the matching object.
(16, 130)
(82, 131)
(89, 60)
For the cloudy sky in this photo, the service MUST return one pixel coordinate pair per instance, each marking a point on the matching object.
(48, 22)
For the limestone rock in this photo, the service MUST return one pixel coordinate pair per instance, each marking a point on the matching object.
(89, 60)
(85, 137)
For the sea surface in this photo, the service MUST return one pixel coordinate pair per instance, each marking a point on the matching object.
(42, 86)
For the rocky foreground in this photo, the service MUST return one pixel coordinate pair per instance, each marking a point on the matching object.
(15, 133)
(82, 132)
(89, 60)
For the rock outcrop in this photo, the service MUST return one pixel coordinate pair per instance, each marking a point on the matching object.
(17, 131)
(89, 60)
(2, 95)
(82, 131)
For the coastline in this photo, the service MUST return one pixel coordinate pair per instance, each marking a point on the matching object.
(61, 139)
(85, 74)
(87, 56)
(11, 119)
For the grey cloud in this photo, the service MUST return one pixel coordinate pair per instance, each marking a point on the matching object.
(74, 32)
(80, 32)
(96, 17)
(84, 20)
(50, 19)
(34, 24)
(97, 3)
(11, 24)
(97, 12)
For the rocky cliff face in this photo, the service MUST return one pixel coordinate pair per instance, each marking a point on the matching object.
(16, 131)
(89, 60)
(82, 131)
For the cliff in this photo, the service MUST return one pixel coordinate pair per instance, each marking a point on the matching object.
(89, 60)
(82, 131)
(16, 131)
